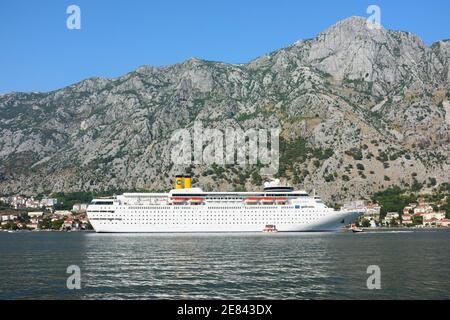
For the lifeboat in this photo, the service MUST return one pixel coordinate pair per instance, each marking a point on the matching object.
(178, 200)
(251, 200)
(196, 200)
(270, 228)
(268, 200)
(281, 200)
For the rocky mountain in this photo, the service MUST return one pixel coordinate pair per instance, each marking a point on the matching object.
(359, 109)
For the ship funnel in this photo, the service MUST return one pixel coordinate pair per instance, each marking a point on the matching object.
(187, 181)
(179, 182)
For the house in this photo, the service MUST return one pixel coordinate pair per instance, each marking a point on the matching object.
(79, 207)
(32, 226)
(35, 214)
(423, 208)
(440, 215)
(18, 202)
(359, 204)
(430, 222)
(48, 202)
(62, 213)
(8, 217)
(390, 216)
(31, 203)
(373, 223)
(84, 220)
(34, 220)
(407, 219)
(372, 211)
(20, 225)
(443, 223)
(374, 208)
(68, 223)
(408, 209)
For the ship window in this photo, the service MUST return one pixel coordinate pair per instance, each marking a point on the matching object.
(105, 203)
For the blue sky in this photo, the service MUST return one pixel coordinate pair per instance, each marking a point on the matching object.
(38, 52)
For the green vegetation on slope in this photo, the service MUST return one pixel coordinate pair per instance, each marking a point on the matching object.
(393, 199)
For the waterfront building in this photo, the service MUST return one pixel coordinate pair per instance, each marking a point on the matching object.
(79, 207)
(407, 219)
(440, 215)
(409, 209)
(373, 223)
(35, 214)
(430, 222)
(390, 216)
(68, 223)
(8, 217)
(443, 223)
(48, 202)
(32, 226)
(62, 213)
(423, 208)
(371, 210)
(17, 202)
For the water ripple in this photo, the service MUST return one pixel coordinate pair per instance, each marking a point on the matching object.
(281, 266)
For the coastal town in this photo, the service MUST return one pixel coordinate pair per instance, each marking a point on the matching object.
(29, 213)
(419, 214)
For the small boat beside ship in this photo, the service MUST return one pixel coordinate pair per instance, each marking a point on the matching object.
(270, 228)
(356, 229)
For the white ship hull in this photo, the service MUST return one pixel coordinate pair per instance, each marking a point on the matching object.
(195, 219)
(187, 210)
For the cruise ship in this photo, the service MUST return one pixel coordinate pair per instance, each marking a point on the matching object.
(187, 209)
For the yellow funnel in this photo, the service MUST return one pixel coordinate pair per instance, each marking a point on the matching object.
(178, 182)
(187, 181)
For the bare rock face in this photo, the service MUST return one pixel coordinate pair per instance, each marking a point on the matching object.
(359, 109)
(441, 58)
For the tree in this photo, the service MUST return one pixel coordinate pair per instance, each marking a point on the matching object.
(45, 224)
(57, 224)
(393, 223)
(446, 208)
(256, 178)
(416, 185)
(432, 182)
(365, 223)
(355, 153)
(295, 179)
(417, 220)
(89, 226)
(10, 225)
(393, 199)
(5, 206)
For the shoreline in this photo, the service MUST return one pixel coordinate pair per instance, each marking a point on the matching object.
(387, 229)
(14, 231)
(366, 230)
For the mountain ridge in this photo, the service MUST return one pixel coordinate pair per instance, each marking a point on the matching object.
(373, 97)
